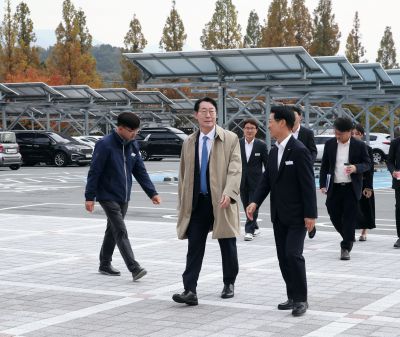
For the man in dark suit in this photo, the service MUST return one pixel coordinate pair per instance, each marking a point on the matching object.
(254, 154)
(344, 161)
(306, 136)
(290, 179)
(393, 165)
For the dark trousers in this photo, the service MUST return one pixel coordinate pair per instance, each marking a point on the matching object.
(116, 234)
(200, 223)
(289, 240)
(397, 195)
(342, 206)
(247, 195)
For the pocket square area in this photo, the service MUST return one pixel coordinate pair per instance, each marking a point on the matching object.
(289, 162)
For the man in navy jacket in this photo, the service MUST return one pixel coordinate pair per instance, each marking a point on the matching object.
(289, 178)
(115, 159)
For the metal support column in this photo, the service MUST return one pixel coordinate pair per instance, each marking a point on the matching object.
(367, 124)
(267, 107)
(391, 116)
(86, 123)
(4, 127)
(307, 112)
(221, 105)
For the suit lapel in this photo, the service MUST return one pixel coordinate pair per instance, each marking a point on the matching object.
(243, 150)
(286, 153)
(273, 164)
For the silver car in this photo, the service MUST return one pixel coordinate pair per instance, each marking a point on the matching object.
(9, 151)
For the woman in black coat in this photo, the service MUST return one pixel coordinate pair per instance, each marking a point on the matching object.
(366, 212)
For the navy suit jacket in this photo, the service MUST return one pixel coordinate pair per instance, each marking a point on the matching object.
(358, 156)
(306, 136)
(393, 160)
(292, 187)
(252, 170)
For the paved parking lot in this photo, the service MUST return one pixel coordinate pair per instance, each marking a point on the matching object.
(49, 285)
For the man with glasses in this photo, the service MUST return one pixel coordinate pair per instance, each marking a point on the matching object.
(115, 159)
(208, 194)
(254, 158)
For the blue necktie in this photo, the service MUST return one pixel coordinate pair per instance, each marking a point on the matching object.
(203, 167)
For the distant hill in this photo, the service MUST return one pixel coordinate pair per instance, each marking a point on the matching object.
(108, 62)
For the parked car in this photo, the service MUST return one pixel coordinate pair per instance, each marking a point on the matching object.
(160, 142)
(320, 141)
(51, 148)
(380, 143)
(84, 140)
(9, 151)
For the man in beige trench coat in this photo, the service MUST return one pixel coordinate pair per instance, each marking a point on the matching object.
(208, 194)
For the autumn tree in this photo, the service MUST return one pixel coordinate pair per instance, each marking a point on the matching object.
(223, 31)
(354, 49)
(174, 35)
(134, 42)
(326, 31)
(387, 51)
(71, 56)
(253, 31)
(302, 24)
(278, 29)
(8, 41)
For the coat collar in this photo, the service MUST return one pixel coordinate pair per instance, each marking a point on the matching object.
(219, 133)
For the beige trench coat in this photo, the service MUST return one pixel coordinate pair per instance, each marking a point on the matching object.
(225, 171)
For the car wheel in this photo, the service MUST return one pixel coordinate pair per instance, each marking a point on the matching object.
(144, 154)
(15, 167)
(60, 159)
(378, 156)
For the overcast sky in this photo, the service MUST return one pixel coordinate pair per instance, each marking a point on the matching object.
(108, 21)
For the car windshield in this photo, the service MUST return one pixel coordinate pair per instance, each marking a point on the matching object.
(7, 137)
(61, 139)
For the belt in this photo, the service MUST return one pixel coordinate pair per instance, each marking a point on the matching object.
(204, 195)
(342, 184)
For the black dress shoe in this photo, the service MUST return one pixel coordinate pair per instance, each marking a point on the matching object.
(397, 244)
(312, 233)
(188, 297)
(228, 291)
(299, 308)
(109, 270)
(138, 273)
(286, 305)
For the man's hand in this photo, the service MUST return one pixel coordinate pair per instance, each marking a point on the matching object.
(367, 192)
(89, 205)
(225, 201)
(350, 169)
(323, 190)
(250, 210)
(156, 199)
(309, 224)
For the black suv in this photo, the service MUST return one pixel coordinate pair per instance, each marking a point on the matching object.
(160, 142)
(51, 148)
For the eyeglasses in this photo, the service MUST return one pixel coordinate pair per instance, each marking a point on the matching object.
(250, 129)
(205, 112)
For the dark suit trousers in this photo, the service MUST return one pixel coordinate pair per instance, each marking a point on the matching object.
(342, 206)
(289, 240)
(116, 234)
(397, 195)
(246, 195)
(201, 222)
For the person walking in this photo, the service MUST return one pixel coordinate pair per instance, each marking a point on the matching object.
(344, 161)
(115, 159)
(289, 178)
(208, 195)
(366, 211)
(254, 154)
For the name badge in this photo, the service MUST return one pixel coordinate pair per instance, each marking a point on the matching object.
(289, 162)
(257, 154)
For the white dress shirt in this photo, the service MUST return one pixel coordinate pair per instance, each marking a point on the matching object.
(248, 148)
(281, 148)
(342, 156)
(210, 142)
(296, 133)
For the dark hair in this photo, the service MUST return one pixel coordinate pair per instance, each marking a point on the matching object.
(298, 110)
(343, 124)
(285, 112)
(204, 99)
(250, 121)
(128, 119)
(359, 128)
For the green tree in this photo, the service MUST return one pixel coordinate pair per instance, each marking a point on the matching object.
(134, 42)
(387, 51)
(174, 36)
(326, 31)
(8, 52)
(71, 56)
(28, 55)
(253, 31)
(302, 24)
(278, 29)
(223, 31)
(354, 49)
